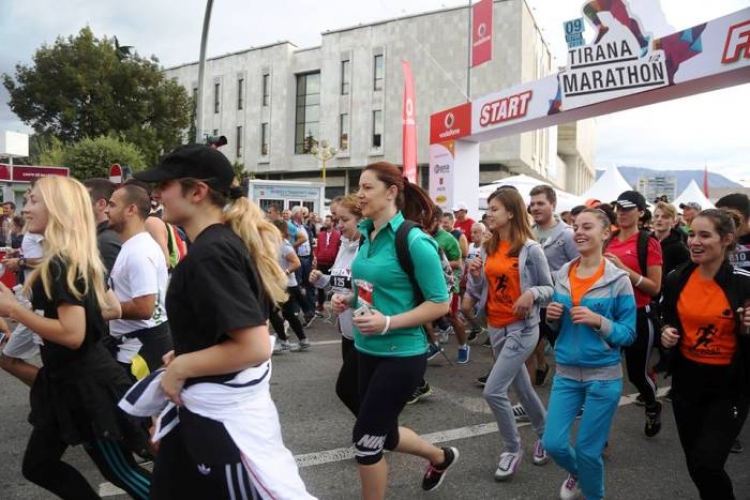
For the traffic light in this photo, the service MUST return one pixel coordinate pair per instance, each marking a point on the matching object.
(216, 141)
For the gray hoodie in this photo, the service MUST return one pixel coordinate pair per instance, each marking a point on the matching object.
(559, 247)
(535, 276)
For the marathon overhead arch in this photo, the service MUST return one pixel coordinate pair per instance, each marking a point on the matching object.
(624, 69)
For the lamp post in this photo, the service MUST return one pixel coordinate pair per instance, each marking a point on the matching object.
(201, 72)
(324, 152)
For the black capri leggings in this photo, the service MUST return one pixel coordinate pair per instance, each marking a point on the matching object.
(42, 465)
(638, 354)
(347, 383)
(385, 385)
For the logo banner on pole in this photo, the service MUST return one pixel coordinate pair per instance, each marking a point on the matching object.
(410, 126)
(481, 32)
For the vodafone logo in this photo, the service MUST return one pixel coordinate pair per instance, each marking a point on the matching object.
(449, 121)
(409, 107)
(482, 30)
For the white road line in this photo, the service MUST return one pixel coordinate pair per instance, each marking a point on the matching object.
(341, 454)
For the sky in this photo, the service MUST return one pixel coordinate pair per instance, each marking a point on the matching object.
(662, 136)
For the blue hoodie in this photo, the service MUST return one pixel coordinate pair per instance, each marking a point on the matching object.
(580, 345)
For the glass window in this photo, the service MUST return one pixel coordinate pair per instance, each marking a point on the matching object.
(308, 112)
(264, 150)
(240, 92)
(377, 128)
(378, 72)
(345, 77)
(344, 134)
(238, 141)
(266, 89)
(217, 97)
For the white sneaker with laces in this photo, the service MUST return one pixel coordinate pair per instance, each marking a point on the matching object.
(540, 454)
(507, 465)
(569, 489)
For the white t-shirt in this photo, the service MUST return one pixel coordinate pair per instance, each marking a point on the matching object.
(286, 249)
(32, 247)
(140, 269)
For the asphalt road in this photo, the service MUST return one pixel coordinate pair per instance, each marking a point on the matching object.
(317, 428)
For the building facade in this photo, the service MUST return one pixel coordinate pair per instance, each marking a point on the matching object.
(274, 103)
(653, 186)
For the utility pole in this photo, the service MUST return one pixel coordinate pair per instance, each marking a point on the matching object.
(201, 73)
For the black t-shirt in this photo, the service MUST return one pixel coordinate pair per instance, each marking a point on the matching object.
(56, 356)
(215, 289)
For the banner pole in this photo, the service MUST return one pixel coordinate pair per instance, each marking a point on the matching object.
(468, 65)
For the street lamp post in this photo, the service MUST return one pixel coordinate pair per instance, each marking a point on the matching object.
(201, 72)
(324, 152)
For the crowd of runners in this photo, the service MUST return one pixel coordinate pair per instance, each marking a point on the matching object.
(157, 306)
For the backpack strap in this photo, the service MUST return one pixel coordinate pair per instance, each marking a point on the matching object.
(404, 256)
(641, 248)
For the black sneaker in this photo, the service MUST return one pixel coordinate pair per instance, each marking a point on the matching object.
(435, 474)
(653, 421)
(736, 447)
(638, 401)
(472, 335)
(420, 392)
(482, 381)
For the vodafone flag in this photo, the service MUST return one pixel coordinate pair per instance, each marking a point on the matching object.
(410, 126)
(481, 32)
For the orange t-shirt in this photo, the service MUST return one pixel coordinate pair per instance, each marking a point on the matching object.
(579, 286)
(504, 286)
(708, 322)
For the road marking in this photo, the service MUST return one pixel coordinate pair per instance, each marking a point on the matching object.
(342, 454)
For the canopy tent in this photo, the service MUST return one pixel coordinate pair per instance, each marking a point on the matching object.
(693, 193)
(608, 187)
(524, 184)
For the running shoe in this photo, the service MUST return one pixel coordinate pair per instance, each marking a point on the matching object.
(736, 447)
(303, 345)
(286, 345)
(638, 401)
(433, 351)
(507, 465)
(277, 349)
(519, 413)
(541, 375)
(463, 355)
(653, 421)
(473, 334)
(482, 381)
(540, 454)
(419, 393)
(435, 474)
(444, 335)
(570, 489)
(487, 342)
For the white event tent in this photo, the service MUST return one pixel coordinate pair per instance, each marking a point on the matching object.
(524, 184)
(693, 193)
(608, 187)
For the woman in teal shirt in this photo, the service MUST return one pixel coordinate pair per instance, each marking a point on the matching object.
(388, 333)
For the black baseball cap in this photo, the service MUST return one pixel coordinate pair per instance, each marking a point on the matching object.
(631, 199)
(195, 161)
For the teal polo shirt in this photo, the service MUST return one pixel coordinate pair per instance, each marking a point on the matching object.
(377, 278)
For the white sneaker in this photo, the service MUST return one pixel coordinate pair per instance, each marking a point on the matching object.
(569, 489)
(507, 465)
(540, 454)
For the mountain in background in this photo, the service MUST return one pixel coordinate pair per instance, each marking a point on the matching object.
(684, 177)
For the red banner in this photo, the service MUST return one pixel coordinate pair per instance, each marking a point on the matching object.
(25, 173)
(410, 126)
(481, 32)
(450, 124)
(705, 181)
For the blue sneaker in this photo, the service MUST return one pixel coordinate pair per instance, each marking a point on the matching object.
(433, 351)
(463, 355)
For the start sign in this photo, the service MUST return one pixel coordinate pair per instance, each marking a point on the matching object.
(115, 174)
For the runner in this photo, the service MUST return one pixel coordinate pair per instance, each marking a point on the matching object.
(623, 251)
(593, 312)
(74, 396)
(513, 279)
(711, 348)
(388, 335)
(228, 440)
(349, 214)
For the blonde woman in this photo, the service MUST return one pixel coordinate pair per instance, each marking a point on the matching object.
(228, 438)
(74, 395)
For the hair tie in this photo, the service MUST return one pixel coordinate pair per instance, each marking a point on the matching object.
(236, 193)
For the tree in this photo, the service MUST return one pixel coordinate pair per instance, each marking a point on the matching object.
(93, 157)
(84, 87)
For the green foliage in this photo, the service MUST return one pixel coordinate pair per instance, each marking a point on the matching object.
(83, 87)
(93, 157)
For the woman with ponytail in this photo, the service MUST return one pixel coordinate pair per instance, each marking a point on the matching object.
(388, 319)
(228, 438)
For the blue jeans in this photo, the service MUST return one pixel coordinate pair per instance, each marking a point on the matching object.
(512, 345)
(601, 398)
